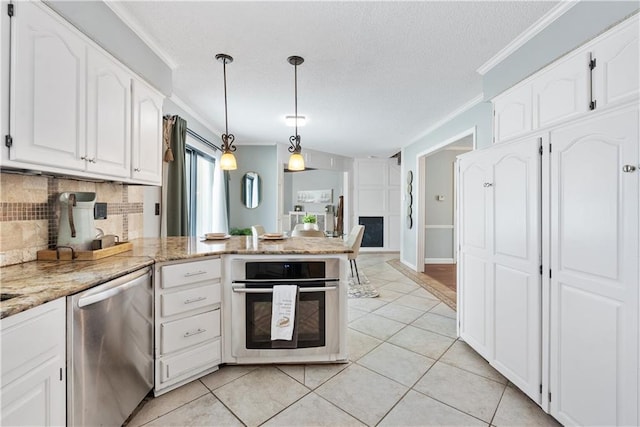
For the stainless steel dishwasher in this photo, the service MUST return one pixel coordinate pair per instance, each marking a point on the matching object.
(110, 350)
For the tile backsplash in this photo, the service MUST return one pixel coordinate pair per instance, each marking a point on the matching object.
(29, 212)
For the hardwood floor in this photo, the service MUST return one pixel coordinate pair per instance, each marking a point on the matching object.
(443, 273)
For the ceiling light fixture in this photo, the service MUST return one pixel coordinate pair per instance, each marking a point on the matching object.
(291, 120)
(228, 160)
(296, 161)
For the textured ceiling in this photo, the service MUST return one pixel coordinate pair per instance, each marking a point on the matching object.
(376, 74)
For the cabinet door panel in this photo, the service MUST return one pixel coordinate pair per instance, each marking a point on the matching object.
(562, 91)
(108, 117)
(513, 113)
(474, 257)
(516, 251)
(473, 206)
(594, 261)
(147, 135)
(33, 359)
(48, 90)
(474, 324)
(617, 73)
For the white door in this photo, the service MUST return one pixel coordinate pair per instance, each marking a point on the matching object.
(594, 271)
(475, 272)
(516, 259)
(147, 134)
(47, 89)
(108, 116)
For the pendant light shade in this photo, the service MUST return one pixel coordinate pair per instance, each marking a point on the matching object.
(296, 161)
(228, 160)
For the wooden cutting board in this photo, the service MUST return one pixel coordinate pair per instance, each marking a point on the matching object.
(64, 254)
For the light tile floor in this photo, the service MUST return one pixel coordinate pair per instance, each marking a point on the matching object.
(406, 369)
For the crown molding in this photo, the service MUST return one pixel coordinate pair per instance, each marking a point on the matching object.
(464, 107)
(542, 23)
(183, 105)
(137, 28)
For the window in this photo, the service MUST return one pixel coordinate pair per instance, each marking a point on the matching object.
(200, 171)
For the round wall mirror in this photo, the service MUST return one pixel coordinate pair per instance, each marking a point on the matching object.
(251, 190)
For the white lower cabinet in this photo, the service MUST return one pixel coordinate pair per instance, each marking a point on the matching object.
(549, 265)
(594, 271)
(33, 367)
(500, 284)
(188, 328)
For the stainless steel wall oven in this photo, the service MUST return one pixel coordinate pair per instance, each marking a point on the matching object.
(320, 322)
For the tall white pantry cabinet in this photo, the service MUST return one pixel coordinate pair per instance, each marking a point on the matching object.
(549, 235)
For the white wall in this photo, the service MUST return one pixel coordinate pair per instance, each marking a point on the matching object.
(439, 213)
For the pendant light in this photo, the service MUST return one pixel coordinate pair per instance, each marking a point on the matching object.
(296, 161)
(228, 160)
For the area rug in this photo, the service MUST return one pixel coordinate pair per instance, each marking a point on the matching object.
(445, 294)
(364, 289)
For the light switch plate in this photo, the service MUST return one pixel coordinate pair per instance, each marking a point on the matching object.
(100, 211)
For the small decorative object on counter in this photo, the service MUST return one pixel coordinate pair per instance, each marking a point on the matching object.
(309, 222)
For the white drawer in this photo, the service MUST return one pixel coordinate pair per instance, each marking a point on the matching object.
(190, 272)
(190, 362)
(190, 331)
(190, 299)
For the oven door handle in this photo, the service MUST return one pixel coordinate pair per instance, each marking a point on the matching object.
(270, 290)
(282, 281)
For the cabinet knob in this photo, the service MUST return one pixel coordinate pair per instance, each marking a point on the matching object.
(136, 169)
(93, 160)
(84, 158)
(488, 184)
(628, 168)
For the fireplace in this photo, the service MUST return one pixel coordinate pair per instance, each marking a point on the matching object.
(373, 231)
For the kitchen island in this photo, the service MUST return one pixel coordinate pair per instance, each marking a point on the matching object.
(28, 285)
(190, 308)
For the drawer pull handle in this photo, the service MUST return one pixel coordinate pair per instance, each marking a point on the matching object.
(192, 333)
(189, 301)
(195, 273)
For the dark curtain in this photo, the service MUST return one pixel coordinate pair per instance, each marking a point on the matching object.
(177, 215)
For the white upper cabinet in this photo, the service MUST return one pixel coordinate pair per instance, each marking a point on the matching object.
(562, 91)
(604, 72)
(108, 116)
(73, 109)
(147, 134)
(47, 90)
(513, 113)
(617, 73)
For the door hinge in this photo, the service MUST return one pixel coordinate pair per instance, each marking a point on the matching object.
(540, 388)
(541, 269)
(60, 374)
(549, 396)
(592, 105)
(10, 9)
(8, 141)
(549, 273)
(592, 64)
(540, 150)
(549, 147)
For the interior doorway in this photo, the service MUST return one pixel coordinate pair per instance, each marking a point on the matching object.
(437, 238)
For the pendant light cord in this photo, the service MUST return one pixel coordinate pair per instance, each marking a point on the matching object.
(226, 120)
(295, 78)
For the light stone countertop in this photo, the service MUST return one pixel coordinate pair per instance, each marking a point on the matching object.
(37, 282)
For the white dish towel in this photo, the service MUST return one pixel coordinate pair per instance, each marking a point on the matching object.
(283, 312)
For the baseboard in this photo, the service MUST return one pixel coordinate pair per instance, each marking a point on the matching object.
(407, 264)
(439, 261)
